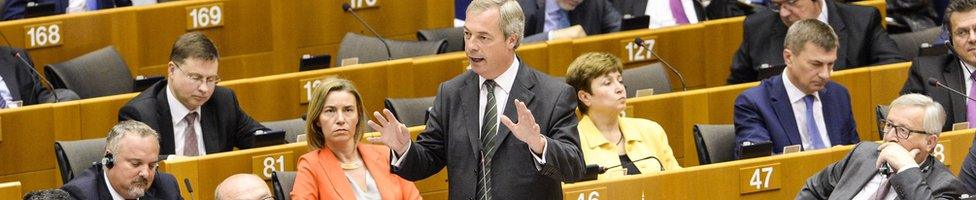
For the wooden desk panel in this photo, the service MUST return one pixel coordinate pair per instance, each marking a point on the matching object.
(721, 182)
(10, 190)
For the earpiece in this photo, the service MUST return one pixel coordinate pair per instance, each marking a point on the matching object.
(108, 161)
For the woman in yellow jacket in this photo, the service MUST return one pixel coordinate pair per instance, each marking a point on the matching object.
(607, 138)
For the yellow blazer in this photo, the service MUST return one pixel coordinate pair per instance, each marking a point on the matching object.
(320, 177)
(644, 138)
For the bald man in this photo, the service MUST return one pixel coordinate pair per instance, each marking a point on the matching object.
(243, 187)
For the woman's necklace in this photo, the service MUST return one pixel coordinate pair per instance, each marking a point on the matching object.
(350, 165)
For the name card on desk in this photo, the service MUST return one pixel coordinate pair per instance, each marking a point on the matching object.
(586, 194)
(308, 85)
(43, 35)
(263, 165)
(204, 16)
(631, 52)
(759, 178)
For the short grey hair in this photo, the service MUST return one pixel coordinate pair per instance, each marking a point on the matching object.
(934, 115)
(512, 20)
(128, 127)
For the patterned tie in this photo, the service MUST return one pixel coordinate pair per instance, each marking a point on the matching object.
(812, 131)
(489, 128)
(678, 11)
(882, 190)
(190, 136)
(970, 104)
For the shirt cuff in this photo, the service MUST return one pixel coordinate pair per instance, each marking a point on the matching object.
(397, 160)
(540, 160)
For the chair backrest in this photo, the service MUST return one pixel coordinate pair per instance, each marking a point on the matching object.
(716, 143)
(909, 43)
(453, 36)
(283, 182)
(880, 115)
(370, 49)
(410, 111)
(74, 157)
(652, 76)
(292, 127)
(98, 73)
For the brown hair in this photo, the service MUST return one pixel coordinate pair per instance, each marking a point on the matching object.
(193, 45)
(810, 30)
(587, 67)
(316, 139)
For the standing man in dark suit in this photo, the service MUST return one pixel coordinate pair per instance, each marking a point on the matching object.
(912, 130)
(543, 16)
(801, 106)
(128, 170)
(193, 115)
(503, 129)
(662, 12)
(863, 42)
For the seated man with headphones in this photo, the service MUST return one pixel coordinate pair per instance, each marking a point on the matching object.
(128, 170)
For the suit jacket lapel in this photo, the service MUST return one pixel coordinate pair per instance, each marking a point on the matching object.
(784, 109)
(166, 136)
(103, 192)
(834, 128)
(335, 174)
(953, 76)
(378, 167)
(9, 74)
(835, 21)
(521, 90)
(469, 102)
(860, 176)
(210, 127)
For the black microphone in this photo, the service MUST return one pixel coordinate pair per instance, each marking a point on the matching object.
(659, 163)
(935, 82)
(347, 8)
(34, 71)
(188, 187)
(640, 42)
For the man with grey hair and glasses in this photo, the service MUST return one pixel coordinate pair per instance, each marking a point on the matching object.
(128, 170)
(900, 167)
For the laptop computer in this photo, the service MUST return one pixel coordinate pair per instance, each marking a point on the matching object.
(756, 150)
(634, 23)
(269, 138)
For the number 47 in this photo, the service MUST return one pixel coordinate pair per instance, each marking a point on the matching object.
(759, 182)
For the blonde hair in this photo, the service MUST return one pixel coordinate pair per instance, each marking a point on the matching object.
(512, 20)
(587, 67)
(316, 139)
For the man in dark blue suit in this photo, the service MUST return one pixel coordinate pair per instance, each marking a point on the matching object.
(801, 107)
(128, 170)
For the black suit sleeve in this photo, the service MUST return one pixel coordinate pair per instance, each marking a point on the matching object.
(820, 185)
(246, 126)
(968, 172)
(912, 184)
(611, 19)
(129, 113)
(916, 82)
(883, 48)
(741, 69)
(564, 159)
(427, 155)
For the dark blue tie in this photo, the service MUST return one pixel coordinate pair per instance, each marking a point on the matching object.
(812, 131)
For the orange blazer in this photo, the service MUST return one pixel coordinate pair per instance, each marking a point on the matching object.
(320, 177)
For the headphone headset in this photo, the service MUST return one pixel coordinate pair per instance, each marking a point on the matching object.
(108, 161)
(947, 29)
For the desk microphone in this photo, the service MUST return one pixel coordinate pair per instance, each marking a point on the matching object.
(31, 69)
(684, 87)
(347, 8)
(659, 164)
(188, 187)
(592, 171)
(936, 83)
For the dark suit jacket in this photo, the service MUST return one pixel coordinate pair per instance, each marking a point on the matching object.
(224, 124)
(968, 172)
(14, 9)
(863, 42)
(845, 178)
(91, 185)
(595, 16)
(639, 7)
(764, 113)
(946, 69)
(24, 85)
(452, 139)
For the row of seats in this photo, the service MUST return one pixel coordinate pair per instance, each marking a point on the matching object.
(280, 96)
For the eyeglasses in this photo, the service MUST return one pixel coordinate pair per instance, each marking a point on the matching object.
(900, 131)
(776, 7)
(198, 78)
(963, 32)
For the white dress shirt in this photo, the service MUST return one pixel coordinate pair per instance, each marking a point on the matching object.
(800, 110)
(178, 111)
(77, 6)
(872, 187)
(5, 94)
(111, 190)
(823, 13)
(660, 13)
